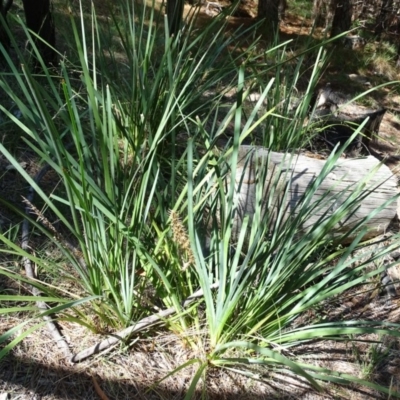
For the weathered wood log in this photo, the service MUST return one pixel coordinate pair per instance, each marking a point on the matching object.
(374, 182)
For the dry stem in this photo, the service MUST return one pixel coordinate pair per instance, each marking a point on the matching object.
(139, 326)
(51, 326)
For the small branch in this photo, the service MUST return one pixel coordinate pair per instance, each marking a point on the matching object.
(213, 4)
(51, 326)
(98, 389)
(139, 326)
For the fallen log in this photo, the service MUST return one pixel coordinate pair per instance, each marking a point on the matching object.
(372, 182)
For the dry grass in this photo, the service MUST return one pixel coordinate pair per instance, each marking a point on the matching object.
(36, 367)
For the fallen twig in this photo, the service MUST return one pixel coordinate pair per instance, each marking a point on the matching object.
(51, 326)
(98, 389)
(139, 326)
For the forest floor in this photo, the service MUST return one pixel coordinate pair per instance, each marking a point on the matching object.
(36, 369)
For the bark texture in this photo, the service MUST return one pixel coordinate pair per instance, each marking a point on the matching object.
(269, 11)
(4, 38)
(175, 15)
(39, 19)
(383, 17)
(342, 17)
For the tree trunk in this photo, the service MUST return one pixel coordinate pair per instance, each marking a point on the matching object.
(342, 17)
(383, 17)
(323, 13)
(269, 11)
(398, 42)
(366, 178)
(398, 55)
(175, 15)
(4, 38)
(282, 9)
(319, 14)
(39, 19)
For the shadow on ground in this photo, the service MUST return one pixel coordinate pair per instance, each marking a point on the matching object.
(22, 378)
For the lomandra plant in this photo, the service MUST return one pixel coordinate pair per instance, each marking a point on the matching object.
(147, 199)
(112, 139)
(268, 274)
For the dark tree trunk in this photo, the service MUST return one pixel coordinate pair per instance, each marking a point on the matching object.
(282, 9)
(398, 56)
(342, 17)
(323, 13)
(383, 17)
(398, 44)
(388, 23)
(318, 14)
(39, 19)
(269, 11)
(4, 38)
(175, 15)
